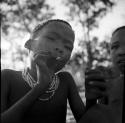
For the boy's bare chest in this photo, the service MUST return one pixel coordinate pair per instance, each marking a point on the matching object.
(58, 100)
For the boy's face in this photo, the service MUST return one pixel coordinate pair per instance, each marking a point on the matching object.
(118, 49)
(57, 38)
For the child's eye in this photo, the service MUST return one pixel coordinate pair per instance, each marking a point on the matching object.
(114, 47)
(68, 48)
(50, 38)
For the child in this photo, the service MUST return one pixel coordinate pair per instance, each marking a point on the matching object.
(39, 94)
(118, 60)
(112, 112)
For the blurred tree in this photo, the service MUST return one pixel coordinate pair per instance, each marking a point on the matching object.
(88, 13)
(77, 65)
(18, 18)
(23, 15)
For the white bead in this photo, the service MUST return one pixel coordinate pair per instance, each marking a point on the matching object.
(32, 83)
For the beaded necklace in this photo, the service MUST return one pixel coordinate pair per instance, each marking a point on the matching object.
(49, 93)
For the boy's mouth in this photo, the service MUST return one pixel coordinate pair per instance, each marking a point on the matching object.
(45, 53)
(121, 62)
(121, 59)
(58, 58)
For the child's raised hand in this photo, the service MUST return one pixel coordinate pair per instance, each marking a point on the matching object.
(43, 72)
(95, 85)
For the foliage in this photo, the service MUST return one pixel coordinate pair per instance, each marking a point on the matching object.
(18, 18)
(88, 13)
(23, 15)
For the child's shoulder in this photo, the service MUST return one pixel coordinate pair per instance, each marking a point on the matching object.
(66, 76)
(8, 74)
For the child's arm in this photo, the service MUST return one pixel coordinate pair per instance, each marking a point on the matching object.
(99, 113)
(75, 101)
(15, 113)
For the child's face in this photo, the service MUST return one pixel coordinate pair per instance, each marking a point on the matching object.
(118, 49)
(57, 38)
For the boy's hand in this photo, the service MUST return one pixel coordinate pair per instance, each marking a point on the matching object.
(43, 72)
(95, 85)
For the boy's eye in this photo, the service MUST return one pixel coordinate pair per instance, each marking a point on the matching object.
(114, 47)
(50, 38)
(68, 47)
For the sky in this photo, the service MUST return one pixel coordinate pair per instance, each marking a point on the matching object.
(112, 20)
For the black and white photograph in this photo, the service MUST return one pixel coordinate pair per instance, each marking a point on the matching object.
(62, 61)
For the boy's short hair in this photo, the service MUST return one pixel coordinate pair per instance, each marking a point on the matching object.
(42, 25)
(117, 29)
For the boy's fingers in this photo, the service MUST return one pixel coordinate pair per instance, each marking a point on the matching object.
(96, 92)
(40, 64)
(36, 58)
(89, 72)
(42, 52)
(97, 84)
(95, 77)
(39, 60)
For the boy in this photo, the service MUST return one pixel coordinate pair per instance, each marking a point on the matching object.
(113, 111)
(39, 93)
(118, 60)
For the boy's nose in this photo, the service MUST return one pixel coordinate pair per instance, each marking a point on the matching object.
(59, 50)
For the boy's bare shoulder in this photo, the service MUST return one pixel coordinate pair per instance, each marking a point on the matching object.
(8, 74)
(66, 77)
(64, 73)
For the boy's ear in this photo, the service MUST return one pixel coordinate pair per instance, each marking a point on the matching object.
(28, 44)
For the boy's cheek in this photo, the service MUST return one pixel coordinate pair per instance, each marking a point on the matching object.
(113, 58)
(66, 59)
(68, 55)
(60, 65)
(114, 61)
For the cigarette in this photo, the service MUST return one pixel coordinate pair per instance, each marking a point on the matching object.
(41, 52)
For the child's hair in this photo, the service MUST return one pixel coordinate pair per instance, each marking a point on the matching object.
(116, 30)
(42, 25)
(36, 30)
